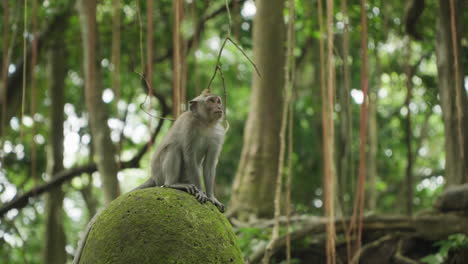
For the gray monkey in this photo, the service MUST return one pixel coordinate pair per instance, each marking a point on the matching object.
(193, 143)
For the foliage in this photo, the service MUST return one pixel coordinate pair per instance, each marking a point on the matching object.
(251, 238)
(451, 244)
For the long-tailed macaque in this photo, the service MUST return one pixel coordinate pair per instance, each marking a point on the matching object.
(193, 142)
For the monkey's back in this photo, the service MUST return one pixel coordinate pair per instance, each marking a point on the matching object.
(172, 142)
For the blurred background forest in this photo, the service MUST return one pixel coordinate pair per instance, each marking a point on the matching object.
(84, 82)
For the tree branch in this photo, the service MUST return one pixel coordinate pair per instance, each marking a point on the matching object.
(59, 179)
(67, 175)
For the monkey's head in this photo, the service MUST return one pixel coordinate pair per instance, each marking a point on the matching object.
(207, 106)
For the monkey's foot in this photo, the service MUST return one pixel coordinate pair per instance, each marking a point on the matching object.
(191, 189)
(217, 204)
(201, 197)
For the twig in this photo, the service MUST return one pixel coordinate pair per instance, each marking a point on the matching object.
(226, 129)
(219, 58)
(146, 98)
(224, 89)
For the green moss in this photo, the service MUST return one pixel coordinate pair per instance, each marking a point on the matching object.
(161, 225)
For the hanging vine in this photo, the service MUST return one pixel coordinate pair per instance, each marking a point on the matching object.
(176, 60)
(329, 144)
(358, 209)
(292, 61)
(34, 92)
(115, 59)
(196, 75)
(25, 65)
(149, 59)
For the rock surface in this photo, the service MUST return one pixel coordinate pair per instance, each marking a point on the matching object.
(161, 225)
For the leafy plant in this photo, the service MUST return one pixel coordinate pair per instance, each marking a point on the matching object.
(454, 242)
(250, 238)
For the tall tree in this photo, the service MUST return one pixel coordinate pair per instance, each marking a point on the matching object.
(254, 184)
(451, 90)
(55, 236)
(104, 150)
(5, 62)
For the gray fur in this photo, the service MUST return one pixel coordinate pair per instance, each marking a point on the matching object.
(192, 144)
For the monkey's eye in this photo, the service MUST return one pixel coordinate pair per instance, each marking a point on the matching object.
(218, 101)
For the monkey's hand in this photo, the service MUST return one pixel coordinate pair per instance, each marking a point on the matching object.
(217, 203)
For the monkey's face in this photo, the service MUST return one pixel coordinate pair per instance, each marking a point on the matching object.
(208, 107)
(214, 107)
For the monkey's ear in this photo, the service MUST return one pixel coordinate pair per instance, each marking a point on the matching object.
(193, 106)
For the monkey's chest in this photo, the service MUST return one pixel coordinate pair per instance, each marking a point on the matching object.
(200, 148)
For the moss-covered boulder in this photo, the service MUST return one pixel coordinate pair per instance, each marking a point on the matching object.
(158, 226)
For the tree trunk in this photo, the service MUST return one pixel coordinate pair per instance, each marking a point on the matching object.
(253, 189)
(98, 115)
(456, 171)
(5, 62)
(55, 236)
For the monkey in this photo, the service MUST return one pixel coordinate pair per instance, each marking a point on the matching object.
(192, 144)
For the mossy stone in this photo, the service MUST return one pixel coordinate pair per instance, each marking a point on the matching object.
(158, 226)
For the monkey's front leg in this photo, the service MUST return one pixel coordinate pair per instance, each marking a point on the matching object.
(209, 173)
(171, 170)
